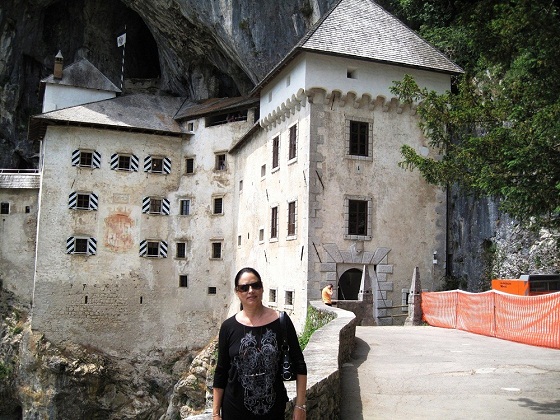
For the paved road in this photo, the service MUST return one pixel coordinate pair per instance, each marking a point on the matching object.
(436, 373)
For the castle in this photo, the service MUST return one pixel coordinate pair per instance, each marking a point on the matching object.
(145, 207)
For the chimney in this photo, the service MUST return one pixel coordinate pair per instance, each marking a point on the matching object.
(58, 62)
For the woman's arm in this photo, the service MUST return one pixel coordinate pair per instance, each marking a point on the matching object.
(218, 395)
(300, 411)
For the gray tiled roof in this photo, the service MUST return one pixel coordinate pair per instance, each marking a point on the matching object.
(364, 30)
(85, 75)
(138, 112)
(23, 181)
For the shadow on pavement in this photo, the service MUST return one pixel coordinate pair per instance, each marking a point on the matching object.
(351, 402)
(541, 408)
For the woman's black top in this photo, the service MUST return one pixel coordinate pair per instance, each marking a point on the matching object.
(248, 369)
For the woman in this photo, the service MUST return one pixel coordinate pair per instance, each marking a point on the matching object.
(247, 381)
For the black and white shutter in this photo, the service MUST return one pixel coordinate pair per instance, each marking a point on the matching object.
(95, 158)
(165, 205)
(143, 248)
(115, 162)
(163, 249)
(93, 201)
(166, 165)
(70, 245)
(91, 245)
(76, 157)
(73, 200)
(146, 204)
(147, 164)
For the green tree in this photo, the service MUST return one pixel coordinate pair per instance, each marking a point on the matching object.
(498, 133)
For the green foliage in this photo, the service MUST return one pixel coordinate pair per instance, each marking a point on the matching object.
(315, 320)
(5, 371)
(498, 133)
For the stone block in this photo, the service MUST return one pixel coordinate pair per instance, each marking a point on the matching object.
(367, 257)
(332, 250)
(385, 268)
(346, 256)
(328, 267)
(385, 285)
(380, 254)
(330, 277)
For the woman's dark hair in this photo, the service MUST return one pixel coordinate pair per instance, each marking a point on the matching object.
(246, 270)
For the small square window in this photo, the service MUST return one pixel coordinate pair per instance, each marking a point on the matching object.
(216, 250)
(80, 246)
(27, 209)
(155, 205)
(218, 205)
(82, 201)
(157, 165)
(351, 74)
(221, 162)
(263, 170)
(86, 159)
(190, 127)
(185, 207)
(190, 165)
(183, 280)
(211, 290)
(4, 208)
(289, 298)
(181, 250)
(272, 296)
(152, 249)
(124, 162)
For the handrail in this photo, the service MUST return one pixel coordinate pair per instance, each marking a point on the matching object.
(20, 171)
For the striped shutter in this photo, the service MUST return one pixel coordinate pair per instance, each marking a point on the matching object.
(73, 200)
(143, 248)
(165, 206)
(133, 163)
(96, 160)
(163, 249)
(147, 163)
(76, 157)
(70, 245)
(146, 205)
(114, 161)
(93, 201)
(92, 246)
(166, 166)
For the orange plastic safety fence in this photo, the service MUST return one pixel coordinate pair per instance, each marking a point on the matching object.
(529, 319)
(475, 312)
(440, 309)
(526, 319)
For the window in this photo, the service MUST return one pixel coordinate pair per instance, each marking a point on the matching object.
(272, 296)
(288, 80)
(4, 208)
(83, 201)
(351, 73)
(292, 218)
(358, 217)
(289, 298)
(238, 240)
(157, 165)
(292, 148)
(185, 207)
(240, 185)
(153, 248)
(274, 223)
(190, 127)
(263, 171)
(86, 158)
(81, 245)
(211, 290)
(218, 205)
(261, 235)
(183, 280)
(190, 165)
(221, 162)
(216, 250)
(275, 151)
(155, 205)
(124, 162)
(181, 251)
(359, 138)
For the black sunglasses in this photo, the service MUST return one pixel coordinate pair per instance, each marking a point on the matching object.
(245, 287)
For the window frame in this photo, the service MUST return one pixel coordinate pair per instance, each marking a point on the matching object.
(352, 142)
(5, 207)
(292, 219)
(181, 250)
(87, 245)
(189, 165)
(148, 244)
(289, 297)
(274, 223)
(292, 143)
(183, 281)
(185, 209)
(352, 217)
(216, 245)
(273, 296)
(221, 162)
(275, 153)
(215, 200)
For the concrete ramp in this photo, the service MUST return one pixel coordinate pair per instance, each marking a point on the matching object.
(436, 373)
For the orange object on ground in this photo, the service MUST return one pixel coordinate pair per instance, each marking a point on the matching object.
(513, 286)
(531, 320)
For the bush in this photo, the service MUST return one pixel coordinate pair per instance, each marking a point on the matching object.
(315, 320)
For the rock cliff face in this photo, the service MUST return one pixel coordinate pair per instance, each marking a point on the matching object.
(194, 48)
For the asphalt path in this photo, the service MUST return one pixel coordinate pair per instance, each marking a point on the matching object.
(436, 373)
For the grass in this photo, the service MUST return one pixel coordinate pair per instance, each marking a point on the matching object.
(315, 320)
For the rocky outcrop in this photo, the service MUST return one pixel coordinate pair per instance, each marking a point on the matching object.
(194, 48)
(39, 380)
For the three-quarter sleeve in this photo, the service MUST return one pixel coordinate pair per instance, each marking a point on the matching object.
(223, 364)
(295, 350)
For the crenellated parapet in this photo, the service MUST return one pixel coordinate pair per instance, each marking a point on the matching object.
(334, 98)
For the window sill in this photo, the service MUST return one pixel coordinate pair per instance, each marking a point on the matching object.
(358, 157)
(358, 237)
(291, 238)
(273, 240)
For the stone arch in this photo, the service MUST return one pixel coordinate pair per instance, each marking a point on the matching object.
(349, 284)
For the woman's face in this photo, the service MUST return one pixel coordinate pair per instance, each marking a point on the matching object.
(254, 289)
